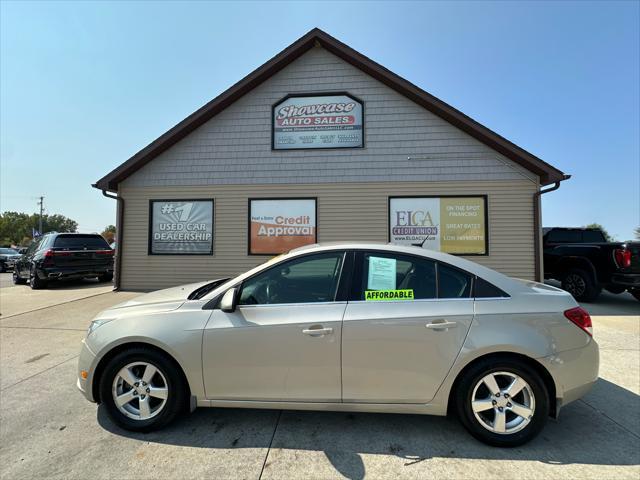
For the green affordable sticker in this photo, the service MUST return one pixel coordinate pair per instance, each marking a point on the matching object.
(378, 295)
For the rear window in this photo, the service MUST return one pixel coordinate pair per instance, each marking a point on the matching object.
(81, 242)
(593, 236)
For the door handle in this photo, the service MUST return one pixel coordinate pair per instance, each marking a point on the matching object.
(440, 325)
(316, 332)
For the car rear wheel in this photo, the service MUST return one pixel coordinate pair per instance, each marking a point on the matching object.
(35, 282)
(581, 285)
(635, 293)
(504, 403)
(17, 279)
(142, 390)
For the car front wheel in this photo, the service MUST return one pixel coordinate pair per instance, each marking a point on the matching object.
(142, 390)
(504, 403)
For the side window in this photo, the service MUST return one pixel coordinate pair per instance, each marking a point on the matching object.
(484, 289)
(564, 236)
(308, 279)
(453, 283)
(33, 247)
(393, 277)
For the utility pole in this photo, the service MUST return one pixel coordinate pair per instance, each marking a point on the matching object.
(41, 203)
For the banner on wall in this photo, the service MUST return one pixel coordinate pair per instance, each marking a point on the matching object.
(279, 225)
(320, 121)
(455, 225)
(181, 227)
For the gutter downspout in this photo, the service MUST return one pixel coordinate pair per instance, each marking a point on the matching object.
(537, 227)
(119, 238)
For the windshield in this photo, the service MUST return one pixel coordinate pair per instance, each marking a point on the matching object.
(8, 251)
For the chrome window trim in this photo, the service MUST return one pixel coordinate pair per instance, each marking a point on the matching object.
(267, 305)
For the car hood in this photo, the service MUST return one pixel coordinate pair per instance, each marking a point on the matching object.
(161, 300)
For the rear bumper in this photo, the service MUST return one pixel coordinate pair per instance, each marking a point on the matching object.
(54, 273)
(629, 280)
(574, 372)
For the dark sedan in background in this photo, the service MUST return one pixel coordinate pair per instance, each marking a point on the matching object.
(57, 256)
(8, 257)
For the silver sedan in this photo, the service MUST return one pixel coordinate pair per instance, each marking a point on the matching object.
(347, 327)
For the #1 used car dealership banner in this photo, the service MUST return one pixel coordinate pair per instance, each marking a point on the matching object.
(278, 225)
(448, 224)
(332, 121)
(181, 227)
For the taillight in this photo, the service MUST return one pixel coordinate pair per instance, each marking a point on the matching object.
(104, 252)
(581, 318)
(623, 257)
(57, 253)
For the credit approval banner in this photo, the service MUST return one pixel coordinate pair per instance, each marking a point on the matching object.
(279, 225)
(181, 227)
(331, 121)
(455, 225)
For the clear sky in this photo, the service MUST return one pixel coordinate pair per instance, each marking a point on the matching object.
(85, 85)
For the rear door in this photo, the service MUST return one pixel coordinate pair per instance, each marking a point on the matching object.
(77, 250)
(403, 327)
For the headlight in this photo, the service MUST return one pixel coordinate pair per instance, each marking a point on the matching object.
(97, 323)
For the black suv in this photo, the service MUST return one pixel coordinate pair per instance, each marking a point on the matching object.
(56, 256)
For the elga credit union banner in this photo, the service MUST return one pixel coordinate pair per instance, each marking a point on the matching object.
(181, 227)
(277, 226)
(318, 122)
(447, 224)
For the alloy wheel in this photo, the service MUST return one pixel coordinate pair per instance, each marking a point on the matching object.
(575, 284)
(503, 402)
(140, 390)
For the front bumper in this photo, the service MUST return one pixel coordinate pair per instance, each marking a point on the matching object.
(574, 372)
(86, 362)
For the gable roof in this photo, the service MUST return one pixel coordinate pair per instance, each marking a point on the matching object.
(547, 173)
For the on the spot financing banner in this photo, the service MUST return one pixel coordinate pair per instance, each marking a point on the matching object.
(447, 224)
(277, 226)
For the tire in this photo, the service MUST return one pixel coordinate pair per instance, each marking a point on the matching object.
(517, 429)
(3, 267)
(35, 282)
(581, 285)
(168, 376)
(107, 277)
(17, 279)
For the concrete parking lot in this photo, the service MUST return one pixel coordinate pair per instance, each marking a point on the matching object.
(47, 429)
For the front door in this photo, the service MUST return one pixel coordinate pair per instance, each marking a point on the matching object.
(403, 328)
(283, 341)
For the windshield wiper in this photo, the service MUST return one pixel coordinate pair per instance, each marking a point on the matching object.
(200, 292)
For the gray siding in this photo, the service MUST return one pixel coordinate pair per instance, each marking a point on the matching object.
(235, 146)
(346, 211)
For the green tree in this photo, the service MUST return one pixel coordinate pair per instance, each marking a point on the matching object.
(636, 232)
(607, 237)
(16, 226)
(109, 233)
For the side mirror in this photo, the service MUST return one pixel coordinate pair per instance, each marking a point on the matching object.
(228, 302)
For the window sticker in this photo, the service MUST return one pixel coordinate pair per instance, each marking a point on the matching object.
(382, 274)
(382, 295)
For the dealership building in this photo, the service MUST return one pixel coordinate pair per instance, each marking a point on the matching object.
(322, 144)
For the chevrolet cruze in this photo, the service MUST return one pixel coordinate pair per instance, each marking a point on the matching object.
(347, 327)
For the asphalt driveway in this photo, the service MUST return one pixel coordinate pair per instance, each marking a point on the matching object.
(47, 429)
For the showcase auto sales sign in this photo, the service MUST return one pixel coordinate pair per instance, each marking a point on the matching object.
(333, 121)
